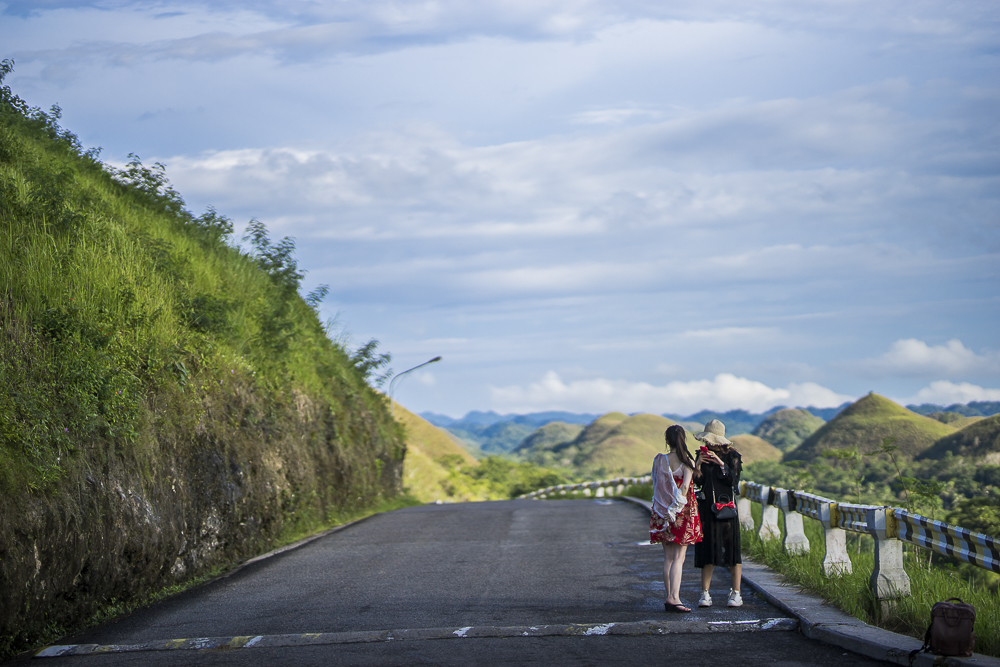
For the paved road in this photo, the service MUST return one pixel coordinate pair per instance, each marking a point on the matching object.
(477, 568)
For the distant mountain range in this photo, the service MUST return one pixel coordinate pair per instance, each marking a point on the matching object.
(973, 409)
(486, 433)
(536, 419)
(961, 452)
(493, 433)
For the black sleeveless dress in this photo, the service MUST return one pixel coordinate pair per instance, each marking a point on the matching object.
(721, 542)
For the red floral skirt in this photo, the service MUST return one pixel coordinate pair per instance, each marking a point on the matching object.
(686, 528)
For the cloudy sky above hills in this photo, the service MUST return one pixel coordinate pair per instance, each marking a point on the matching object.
(583, 205)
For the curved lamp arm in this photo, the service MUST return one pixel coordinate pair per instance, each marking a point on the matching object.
(392, 384)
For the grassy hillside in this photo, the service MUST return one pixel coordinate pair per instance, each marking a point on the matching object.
(540, 447)
(431, 454)
(980, 441)
(956, 420)
(613, 444)
(865, 423)
(628, 448)
(498, 438)
(169, 403)
(787, 429)
(754, 449)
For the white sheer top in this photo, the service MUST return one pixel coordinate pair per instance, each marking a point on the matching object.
(667, 497)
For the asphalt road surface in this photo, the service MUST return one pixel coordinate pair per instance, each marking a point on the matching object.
(516, 582)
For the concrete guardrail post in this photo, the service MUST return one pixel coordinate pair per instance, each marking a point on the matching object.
(768, 516)
(889, 580)
(796, 541)
(836, 562)
(743, 508)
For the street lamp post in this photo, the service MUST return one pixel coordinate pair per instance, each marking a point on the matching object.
(392, 384)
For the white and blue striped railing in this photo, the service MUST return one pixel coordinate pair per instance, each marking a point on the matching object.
(890, 526)
(616, 486)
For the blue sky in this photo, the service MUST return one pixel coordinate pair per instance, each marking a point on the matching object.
(583, 205)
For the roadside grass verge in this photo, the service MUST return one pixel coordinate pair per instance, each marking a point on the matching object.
(852, 593)
(114, 609)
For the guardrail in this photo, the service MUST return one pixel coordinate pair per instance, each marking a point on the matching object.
(606, 487)
(890, 526)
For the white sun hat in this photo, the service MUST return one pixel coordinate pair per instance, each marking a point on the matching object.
(714, 433)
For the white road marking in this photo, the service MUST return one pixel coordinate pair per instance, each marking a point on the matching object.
(633, 628)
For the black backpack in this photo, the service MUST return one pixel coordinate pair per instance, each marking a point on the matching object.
(950, 631)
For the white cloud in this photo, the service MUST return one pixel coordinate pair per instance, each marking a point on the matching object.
(915, 358)
(301, 30)
(425, 378)
(625, 188)
(612, 116)
(948, 393)
(724, 392)
(730, 335)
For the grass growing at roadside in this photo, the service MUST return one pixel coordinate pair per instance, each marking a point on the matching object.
(114, 609)
(852, 593)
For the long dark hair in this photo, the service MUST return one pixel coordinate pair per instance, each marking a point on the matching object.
(677, 442)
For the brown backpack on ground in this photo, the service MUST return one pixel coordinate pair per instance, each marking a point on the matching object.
(950, 631)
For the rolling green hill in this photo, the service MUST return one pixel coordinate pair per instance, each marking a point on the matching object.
(956, 420)
(431, 453)
(613, 444)
(754, 449)
(865, 423)
(540, 447)
(499, 438)
(979, 440)
(787, 429)
(626, 449)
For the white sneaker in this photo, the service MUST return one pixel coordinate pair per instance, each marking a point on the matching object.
(735, 599)
(706, 600)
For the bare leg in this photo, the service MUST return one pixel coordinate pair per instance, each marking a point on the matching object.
(667, 562)
(736, 571)
(673, 568)
(706, 576)
(676, 570)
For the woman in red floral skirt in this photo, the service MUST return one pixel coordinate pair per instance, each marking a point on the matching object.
(674, 521)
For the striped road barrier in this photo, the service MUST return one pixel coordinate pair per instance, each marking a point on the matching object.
(890, 526)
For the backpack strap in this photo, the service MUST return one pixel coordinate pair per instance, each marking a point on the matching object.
(923, 649)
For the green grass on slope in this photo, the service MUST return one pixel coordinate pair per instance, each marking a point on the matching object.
(541, 446)
(110, 290)
(431, 456)
(753, 449)
(977, 440)
(613, 444)
(154, 377)
(786, 429)
(598, 429)
(866, 423)
(628, 448)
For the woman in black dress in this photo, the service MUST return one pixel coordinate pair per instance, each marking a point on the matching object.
(719, 476)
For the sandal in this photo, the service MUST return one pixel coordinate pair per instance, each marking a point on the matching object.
(676, 608)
